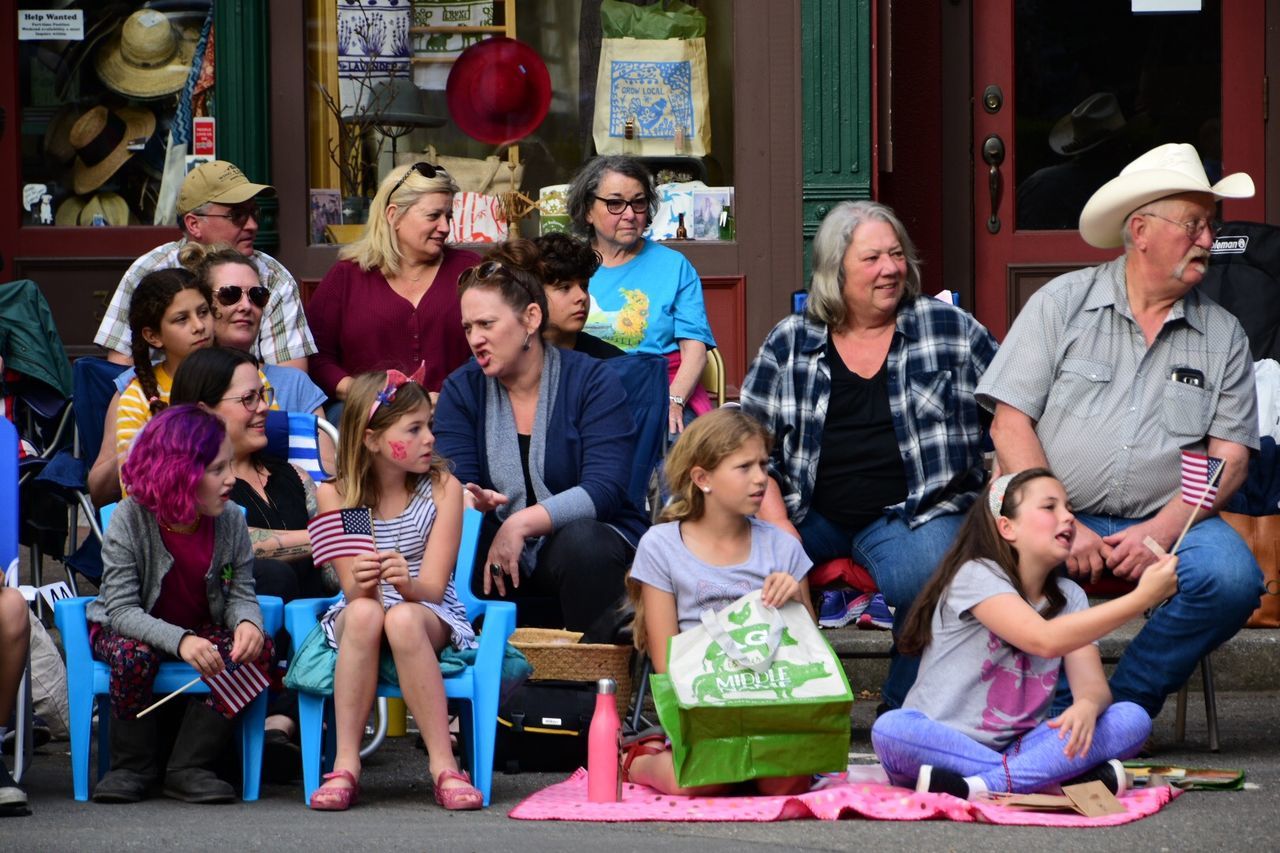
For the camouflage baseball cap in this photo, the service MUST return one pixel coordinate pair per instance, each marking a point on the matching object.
(220, 182)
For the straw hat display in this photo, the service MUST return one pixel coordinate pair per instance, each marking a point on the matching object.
(81, 210)
(101, 138)
(147, 58)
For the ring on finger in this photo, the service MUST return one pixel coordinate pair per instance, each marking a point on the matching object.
(495, 569)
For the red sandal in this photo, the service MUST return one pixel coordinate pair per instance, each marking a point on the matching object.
(335, 799)
(458, 798)
(651, 743)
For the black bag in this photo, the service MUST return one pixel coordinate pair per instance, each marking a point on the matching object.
(543, 726)
(1244, 278)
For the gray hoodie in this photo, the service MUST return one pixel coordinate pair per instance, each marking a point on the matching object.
(135, 561)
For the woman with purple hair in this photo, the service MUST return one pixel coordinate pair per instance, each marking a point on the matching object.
(177, 582)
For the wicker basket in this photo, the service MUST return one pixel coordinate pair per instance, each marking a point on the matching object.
(557, 655)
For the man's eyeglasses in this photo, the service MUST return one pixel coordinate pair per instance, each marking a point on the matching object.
(230, 294)
(238, 215)
(251, 400)
(424, 169)
(1193, 227)
(617, 205)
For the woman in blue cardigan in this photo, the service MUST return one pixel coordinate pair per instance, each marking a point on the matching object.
(542, 440)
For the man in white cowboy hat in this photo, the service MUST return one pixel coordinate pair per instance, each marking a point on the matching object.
(216, 205)
(1107, 375)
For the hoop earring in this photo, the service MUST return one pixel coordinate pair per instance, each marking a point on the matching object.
(528, 336)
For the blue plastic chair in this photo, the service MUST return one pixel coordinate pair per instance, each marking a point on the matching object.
(88, 679)
(476, 686)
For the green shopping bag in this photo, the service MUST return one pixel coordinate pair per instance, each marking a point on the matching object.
(752, 693)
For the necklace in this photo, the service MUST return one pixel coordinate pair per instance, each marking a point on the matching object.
(268, 509)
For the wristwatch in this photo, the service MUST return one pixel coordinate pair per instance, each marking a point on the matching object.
(677, 399)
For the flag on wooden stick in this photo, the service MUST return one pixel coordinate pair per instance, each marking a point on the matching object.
(1200, 476)
(237, 685)
(341, 533)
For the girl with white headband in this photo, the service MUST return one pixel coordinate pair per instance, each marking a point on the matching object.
(995, 624)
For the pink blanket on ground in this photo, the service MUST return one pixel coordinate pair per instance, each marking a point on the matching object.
(568, 801)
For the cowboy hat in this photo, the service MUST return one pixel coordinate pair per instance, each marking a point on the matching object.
(499, 90)
(81, 210)
(148, 57)
(101, 138)
(1094, 120)
(1163, 171)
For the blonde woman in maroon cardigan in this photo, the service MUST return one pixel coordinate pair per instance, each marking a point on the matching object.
(391, 300)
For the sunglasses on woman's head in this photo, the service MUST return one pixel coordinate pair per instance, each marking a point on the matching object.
(423, 168)
(489, 268)
(230, 294)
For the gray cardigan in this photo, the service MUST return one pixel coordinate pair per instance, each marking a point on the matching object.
(135, 561)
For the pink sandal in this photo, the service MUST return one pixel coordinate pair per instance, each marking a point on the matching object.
(649, 743)
(335, 799)
(458, 798)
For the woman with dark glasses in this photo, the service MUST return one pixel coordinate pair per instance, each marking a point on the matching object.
(539, 437)
(644, 297)
(391, 300)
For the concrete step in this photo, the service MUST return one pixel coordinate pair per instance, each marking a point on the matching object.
(1249, 661)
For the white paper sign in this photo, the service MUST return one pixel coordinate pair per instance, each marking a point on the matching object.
(47, 24)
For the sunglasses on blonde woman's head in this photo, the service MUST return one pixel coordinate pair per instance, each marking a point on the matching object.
(230, 294)
(423, 168)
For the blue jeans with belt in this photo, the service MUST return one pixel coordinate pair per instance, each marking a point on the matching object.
(900, 560)
(1219, 585)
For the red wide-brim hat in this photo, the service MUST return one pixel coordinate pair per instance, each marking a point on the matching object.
(499, 90)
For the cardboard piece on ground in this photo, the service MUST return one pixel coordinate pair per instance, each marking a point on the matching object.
(1090, 799)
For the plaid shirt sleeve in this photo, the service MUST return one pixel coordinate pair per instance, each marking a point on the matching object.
(284, 335)
(778, 392)
(113, 333)
(944, 430)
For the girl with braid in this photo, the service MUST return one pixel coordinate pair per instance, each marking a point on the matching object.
(171, 312)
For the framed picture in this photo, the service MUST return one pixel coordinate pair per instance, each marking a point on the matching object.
(708, 202)
(326, 210)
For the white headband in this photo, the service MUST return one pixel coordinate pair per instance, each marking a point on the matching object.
(995, 498)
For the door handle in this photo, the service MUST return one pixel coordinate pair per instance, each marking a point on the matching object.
(993, 156)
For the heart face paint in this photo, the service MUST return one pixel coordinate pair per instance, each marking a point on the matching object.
(399, 450)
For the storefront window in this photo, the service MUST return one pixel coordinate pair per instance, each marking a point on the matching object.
(117, 103)
(393, 82)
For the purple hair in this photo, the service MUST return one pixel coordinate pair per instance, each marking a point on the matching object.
(168, 458)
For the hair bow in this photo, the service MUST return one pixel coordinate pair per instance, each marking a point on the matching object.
(395, 379)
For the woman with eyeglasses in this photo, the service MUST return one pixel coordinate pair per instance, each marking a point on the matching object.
(539, 437)
(278, 500)
(645, 297)
(391, 300)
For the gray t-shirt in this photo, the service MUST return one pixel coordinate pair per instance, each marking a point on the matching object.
(1013, 689)
(664, 562)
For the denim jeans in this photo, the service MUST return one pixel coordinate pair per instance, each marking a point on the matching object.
(899, 559)
(906, 738)
(1219, 585)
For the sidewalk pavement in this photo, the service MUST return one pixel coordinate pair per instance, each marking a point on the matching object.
(396, 811)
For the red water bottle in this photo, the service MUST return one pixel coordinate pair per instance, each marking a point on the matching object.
(604, 783)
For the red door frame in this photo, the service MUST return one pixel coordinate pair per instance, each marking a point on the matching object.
(1243, 149)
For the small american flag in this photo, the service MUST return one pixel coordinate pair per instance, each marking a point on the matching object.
(341, 533)
(237, 685)
(1200, 477)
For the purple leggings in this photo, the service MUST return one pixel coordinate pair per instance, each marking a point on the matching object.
(905, 739)
(135, 665)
